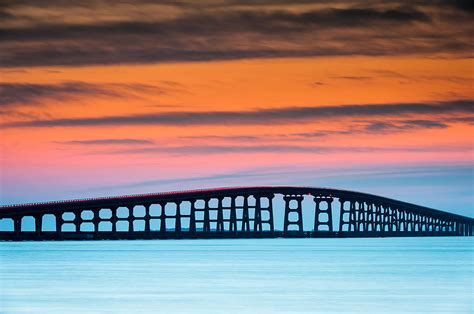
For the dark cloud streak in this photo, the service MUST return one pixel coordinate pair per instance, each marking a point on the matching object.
(383, 126)
(285, 115)
(234, 149)
(204, 35)
(14, 94)
(113, 141)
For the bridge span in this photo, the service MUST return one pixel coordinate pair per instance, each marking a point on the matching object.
(241, 212)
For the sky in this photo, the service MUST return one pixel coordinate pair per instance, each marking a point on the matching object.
(101, 98)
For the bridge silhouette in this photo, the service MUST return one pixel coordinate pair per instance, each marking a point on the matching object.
(242, 212)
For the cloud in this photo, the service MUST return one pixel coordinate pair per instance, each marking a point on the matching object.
(354, 78)
(223, 137)
(202, 32)
(283, 148)
(469, 120)
(358, 127)
(14, 94)
(286, 115)
(109, 141)
(198, 24)
(383, 126)
(322, 133)
(28, 93)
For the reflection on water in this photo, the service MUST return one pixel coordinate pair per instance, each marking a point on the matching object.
(392, 275)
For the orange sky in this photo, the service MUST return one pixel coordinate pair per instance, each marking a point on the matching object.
(78, 125)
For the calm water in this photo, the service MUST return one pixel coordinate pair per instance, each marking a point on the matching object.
(411, 275)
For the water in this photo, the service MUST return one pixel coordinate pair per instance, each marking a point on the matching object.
(392, 275)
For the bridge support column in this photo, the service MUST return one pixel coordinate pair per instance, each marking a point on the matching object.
(147, 218)
(404, 220)
(270, 212)
(386, 219)
(378, 218)
(59, 222)
(257, 223)
(245, 215)
(38, 224)
(458, 228)
(408, 221)
(95, 221)
(220, 215)
(361, 219)
(130, 218)
(17, 225)
(353, 219)
(395, 221)
(319, 211)
(207, 220)
(77, 220)
(369, 218)
(416, 223)
(297, 210)
(163, 220)
(177, 224)
(233, 215)
(113, 220)
(192, 219)
(344, 211)
(389, 219)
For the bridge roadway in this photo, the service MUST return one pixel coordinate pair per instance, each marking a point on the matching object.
(241, 212)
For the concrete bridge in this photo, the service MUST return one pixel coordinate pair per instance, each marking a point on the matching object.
(242, 212)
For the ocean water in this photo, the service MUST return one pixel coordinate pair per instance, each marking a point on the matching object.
(389, 275)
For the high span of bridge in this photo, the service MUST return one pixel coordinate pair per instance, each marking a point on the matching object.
(240, 212)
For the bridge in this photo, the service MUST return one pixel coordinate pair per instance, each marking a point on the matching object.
(242, 212)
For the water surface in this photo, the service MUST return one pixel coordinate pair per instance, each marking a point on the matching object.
(391, 275)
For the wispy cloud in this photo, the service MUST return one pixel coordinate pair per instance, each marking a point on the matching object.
(383, 126)
(286, 115)
(223, 137)
(280, 148)
(12, 94)
(15, 94)
(108, 141)
(354, 78)
(223, 30)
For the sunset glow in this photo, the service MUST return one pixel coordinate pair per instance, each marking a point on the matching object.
(132, 101)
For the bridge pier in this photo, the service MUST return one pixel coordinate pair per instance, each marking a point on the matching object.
(257, 223)
(147, 218)
(288, 210)
(38, 224)
(192, 219)
(318, 211)
(369, 220)
(96, 221)
(59, 222)
(343, 211)
(360, 217)
(233, 216)
(245, 215)
(177, 217)
(114, 219)
(270, 215)
(353, 219)
(220, 216)
(378, 218)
